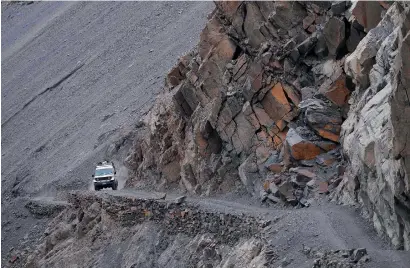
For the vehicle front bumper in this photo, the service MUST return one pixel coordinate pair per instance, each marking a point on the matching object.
(105, 183)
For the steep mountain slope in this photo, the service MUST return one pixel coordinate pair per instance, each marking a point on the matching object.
(279, 104)
(74, 74)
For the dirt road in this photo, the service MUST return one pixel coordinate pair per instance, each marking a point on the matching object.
(323, 226)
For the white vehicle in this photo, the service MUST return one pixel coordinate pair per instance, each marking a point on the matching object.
(104, 176)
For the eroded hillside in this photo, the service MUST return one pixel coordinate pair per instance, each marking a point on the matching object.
(280, 107)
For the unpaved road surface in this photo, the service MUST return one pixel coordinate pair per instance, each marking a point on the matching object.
(323, 225)
(75, 75)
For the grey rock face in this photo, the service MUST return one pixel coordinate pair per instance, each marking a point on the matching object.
(375, 136)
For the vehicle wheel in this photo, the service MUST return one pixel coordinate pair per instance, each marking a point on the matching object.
(96, 188)
(115, 186)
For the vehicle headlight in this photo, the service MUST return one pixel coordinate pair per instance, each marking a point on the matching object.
(112, 178)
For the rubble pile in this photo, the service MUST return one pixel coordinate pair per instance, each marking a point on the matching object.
(99, 222)
(298, 186)
(345, 258)
(269, 87)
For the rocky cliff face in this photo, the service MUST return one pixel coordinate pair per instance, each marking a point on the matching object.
(97, 231)
(375, 136)
(263, 90)
(268, 87)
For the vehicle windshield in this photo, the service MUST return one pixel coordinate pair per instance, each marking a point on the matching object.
(104, 172)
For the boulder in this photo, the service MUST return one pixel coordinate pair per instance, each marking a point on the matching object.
(359, 63)
(286, 190)
(240, 67)
(334, 33)
(338, 92)
(367, 13)
(299, 148)
(323, 119)
(275, 103)
(358, 254)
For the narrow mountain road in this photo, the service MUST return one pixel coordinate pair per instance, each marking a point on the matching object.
(323, 225)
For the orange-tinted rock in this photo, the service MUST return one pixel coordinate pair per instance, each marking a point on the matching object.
(225, 49)
(281, 124)
(292, 94)
(324, 120)
(275, 103)
(275, 167)
(299, 148)
(338, 92)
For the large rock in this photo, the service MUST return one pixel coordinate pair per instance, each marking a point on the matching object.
(275, 103)
(299, 148)
(323, 119)
(359, 63)
(375, 136)
(368, 13)
(338, 92)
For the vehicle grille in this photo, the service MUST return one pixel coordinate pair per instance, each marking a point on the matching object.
(103, 179)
